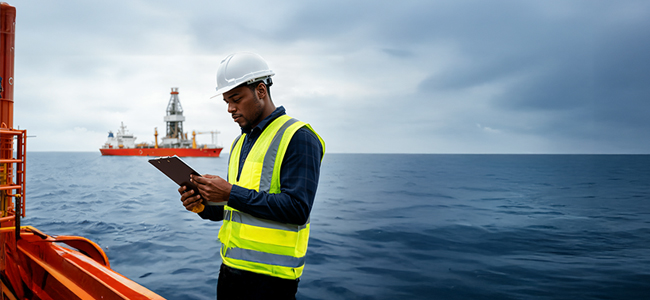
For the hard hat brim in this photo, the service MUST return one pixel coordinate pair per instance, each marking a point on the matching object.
(225, 89)
(229, 87)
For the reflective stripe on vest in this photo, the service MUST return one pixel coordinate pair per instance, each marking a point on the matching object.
(240, 217)
(262, 257)
(255, 244)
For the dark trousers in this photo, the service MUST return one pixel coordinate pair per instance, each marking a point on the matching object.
(240, 284)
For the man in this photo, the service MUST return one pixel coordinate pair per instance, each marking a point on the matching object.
(266, 200)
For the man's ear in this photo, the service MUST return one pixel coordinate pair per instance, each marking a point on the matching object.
(261, 90)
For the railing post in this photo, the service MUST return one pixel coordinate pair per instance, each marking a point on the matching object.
(18, 211)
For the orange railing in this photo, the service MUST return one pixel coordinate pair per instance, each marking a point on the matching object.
(13, 181)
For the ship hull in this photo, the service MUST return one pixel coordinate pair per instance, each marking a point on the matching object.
(181, 152)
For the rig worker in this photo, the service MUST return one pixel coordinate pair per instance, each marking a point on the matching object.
(273, 172)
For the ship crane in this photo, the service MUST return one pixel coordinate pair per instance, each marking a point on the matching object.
(214, 134)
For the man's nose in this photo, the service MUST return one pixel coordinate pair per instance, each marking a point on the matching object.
(231, 108)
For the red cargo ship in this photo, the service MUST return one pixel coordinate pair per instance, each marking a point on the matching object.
(175, 142)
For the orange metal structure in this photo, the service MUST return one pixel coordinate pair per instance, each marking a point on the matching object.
(34, 265)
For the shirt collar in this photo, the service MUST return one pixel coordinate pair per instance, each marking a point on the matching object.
(279, 111)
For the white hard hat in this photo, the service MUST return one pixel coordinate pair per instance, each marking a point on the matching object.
(242, 67)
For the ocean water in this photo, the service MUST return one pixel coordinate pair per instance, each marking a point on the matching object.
(384, 226)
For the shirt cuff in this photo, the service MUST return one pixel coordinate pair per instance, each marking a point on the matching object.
(204, 214)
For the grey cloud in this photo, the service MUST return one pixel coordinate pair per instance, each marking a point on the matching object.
(560, 65)
(478, 71)
(74, 28)
(401, 53)
(583, 74)
(565, 70)
(621, 57)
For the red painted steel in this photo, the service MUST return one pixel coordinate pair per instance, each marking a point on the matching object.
(199, 152)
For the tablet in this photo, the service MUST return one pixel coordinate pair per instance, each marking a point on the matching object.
(178, 171)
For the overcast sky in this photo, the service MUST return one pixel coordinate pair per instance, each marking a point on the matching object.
(370, 76)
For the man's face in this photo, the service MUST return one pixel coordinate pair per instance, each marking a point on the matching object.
(244, 106)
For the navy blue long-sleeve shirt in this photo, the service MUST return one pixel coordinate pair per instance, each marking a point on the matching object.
(298, 179)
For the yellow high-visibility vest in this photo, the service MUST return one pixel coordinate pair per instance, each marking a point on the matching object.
(255, 244)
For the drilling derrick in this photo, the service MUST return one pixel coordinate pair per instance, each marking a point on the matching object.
(175, 136)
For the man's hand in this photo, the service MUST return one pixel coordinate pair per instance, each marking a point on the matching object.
(212, 188)
(190, 201)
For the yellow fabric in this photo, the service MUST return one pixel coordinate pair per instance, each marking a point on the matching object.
(284, 143)
(253, 164)
(259, 239)
(199, 208)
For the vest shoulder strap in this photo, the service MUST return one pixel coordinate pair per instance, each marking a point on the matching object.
(235, 152)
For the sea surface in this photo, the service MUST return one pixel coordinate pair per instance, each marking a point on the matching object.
(384, 226)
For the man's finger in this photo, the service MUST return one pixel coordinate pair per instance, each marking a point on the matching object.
(190, 198)
(198, 179)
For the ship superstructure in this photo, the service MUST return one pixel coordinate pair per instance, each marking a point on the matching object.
(121, 140)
